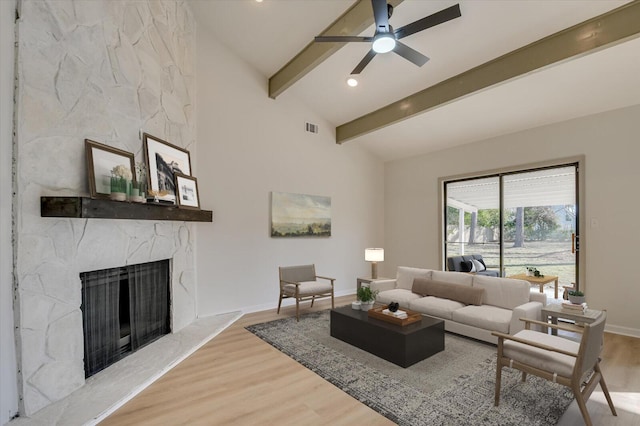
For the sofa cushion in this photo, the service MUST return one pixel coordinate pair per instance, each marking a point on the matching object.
(478, 265)
(458, 292)
(485, 317)
(400, 295)
(467, 266)
(452, 277)
(405, 276)
(435, 306)
(502, 292)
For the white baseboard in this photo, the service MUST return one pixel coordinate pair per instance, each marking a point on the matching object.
(626, 331)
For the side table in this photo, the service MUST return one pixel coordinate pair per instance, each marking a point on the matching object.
(540, 281)
(554, 312)
(362, 280)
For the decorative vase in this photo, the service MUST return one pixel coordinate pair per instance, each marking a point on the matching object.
(118, 196)
(136, 194)
(119, 186)
(577, 300)
(365, 306)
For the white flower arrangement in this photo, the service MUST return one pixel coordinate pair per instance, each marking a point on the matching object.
(121, 171)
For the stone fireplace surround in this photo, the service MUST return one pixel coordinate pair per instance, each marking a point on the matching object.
(106, 71)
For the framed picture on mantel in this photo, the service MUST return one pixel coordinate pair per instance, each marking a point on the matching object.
(164, 160)
(187, 192)
(102, 162)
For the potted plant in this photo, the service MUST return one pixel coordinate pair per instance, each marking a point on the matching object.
(367, 297)
(576, 297)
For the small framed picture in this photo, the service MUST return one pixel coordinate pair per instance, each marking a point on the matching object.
(187, 192)
(164, 160)
(103, 162)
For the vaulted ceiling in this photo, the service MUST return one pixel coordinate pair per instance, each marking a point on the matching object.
(269, 34)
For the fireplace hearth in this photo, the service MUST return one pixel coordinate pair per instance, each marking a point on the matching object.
(123, 309)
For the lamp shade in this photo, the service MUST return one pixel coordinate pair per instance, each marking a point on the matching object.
(374, 255)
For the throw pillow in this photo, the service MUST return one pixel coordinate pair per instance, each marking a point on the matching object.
(479, 266)
(458, 292)
(467, 266)
(405, 276)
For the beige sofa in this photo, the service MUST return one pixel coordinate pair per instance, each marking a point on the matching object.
(471, 305)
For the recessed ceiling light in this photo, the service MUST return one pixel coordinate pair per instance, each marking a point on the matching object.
(352, 82)
(258, 1)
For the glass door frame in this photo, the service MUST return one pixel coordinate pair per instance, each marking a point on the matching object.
(577, 161)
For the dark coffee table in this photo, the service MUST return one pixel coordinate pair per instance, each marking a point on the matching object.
(401, 345)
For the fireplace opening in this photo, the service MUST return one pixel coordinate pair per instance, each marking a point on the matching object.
(123, 309)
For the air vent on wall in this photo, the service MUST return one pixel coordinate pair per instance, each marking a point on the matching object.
(311, 128)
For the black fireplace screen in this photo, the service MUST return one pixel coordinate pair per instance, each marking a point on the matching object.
(123, 309)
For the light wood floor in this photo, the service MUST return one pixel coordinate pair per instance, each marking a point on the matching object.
(237, 378)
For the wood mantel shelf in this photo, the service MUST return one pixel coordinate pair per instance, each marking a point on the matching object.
(89, 208)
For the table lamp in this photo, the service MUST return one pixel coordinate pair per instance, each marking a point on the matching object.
(374, 255)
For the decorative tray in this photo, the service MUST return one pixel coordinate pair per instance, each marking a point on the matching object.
(412, 316)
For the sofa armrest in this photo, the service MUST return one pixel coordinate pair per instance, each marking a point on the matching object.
(529, 310)
(538, 297)
(382, 285)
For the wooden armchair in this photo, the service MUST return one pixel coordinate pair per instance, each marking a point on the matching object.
(302, 283)
(557, 359)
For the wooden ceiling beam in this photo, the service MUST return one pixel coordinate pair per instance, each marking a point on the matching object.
(603, 31)
(352, 22)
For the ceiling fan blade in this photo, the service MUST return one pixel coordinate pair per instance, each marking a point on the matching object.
(429, 21)
(364, 62)
(342, 39)
(381, 15)
(410, 54)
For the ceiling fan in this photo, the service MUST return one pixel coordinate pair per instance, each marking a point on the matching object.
(386, 39)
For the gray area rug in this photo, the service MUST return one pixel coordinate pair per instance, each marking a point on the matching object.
(453, 387)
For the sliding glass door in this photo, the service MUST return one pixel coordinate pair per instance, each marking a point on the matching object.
(517, 220)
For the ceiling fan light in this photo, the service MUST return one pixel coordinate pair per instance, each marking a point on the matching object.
(383, 43)
(352, 82)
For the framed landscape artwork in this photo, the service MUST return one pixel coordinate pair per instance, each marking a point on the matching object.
(164, 160)
(187, 192)
(300, 215)
(101, 161)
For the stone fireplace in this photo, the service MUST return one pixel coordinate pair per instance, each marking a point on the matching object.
(105, 71)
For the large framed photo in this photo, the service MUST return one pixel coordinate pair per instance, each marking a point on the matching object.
(102, 162)
(164, 160)
(187, 192)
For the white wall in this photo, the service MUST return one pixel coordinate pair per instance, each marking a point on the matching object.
(609, 142)
(9, 382)
(250, 145)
